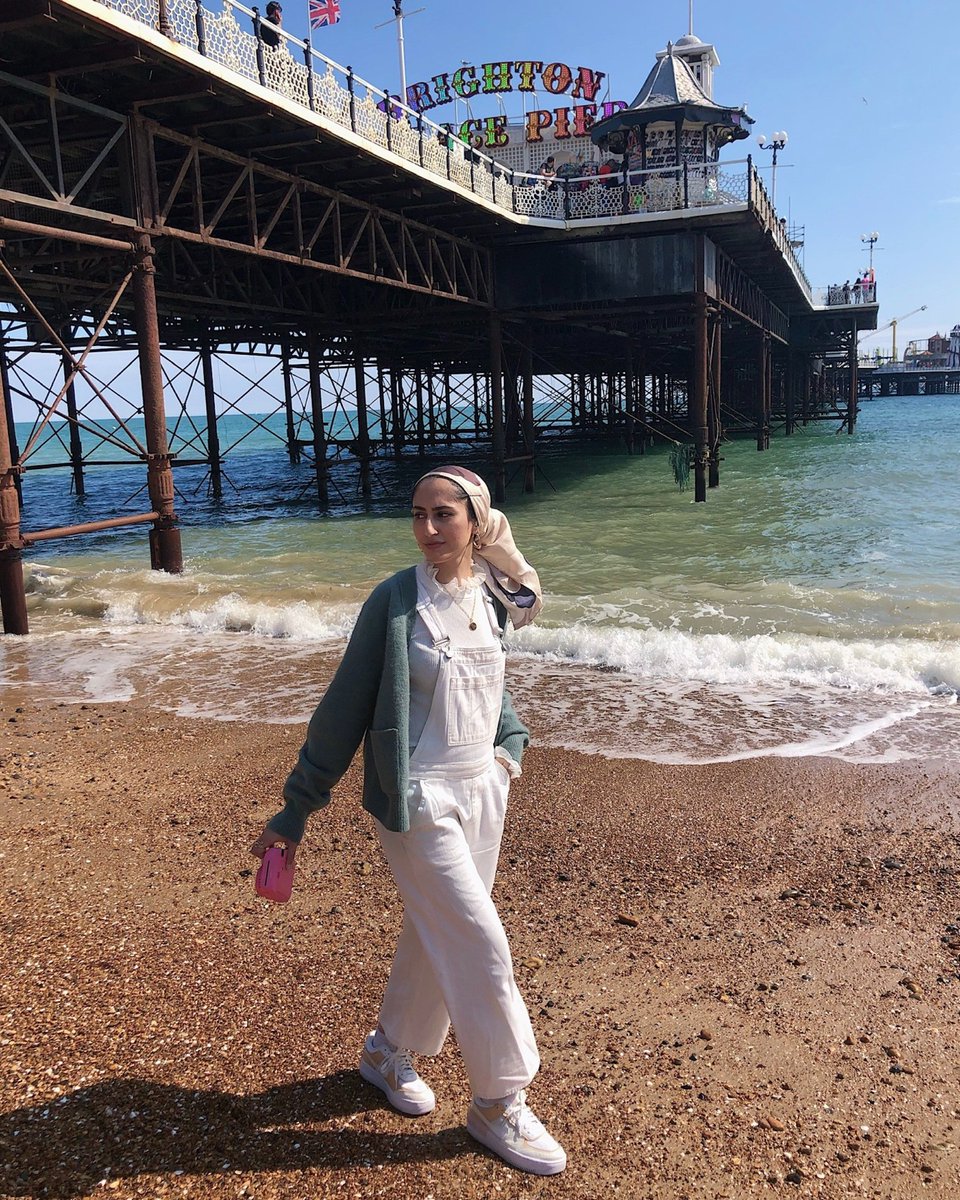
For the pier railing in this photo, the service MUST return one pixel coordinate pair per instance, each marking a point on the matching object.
(239, 39)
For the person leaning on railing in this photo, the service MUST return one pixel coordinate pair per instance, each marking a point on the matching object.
(269, 28)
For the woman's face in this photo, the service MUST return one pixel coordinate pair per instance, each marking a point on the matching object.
(442, 526)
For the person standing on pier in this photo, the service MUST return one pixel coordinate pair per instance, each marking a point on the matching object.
(268, 34)
(422, 685)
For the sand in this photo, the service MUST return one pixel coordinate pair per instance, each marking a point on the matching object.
(744, 978)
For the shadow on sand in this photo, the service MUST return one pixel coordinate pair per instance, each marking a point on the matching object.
(128, 1127)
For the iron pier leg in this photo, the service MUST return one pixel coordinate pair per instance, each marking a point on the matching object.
(713, 412)
(529, 428)
(763, 394)
(852, 393)
(431, 407)
(629, 400)
(382, 397)
(698, 400)
(496, 405)
(363, 429)
(166, 553)
(421, 432)
(210, 407)
(448, 406)
(13, 596)
(293, 446)
(790, 391)
(316, 419)
(76, 445)
(396, 409)
(11, 423)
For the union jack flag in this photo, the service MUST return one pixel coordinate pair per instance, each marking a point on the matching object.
(324, 12)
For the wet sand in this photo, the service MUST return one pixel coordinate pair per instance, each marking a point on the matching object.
(744, 977)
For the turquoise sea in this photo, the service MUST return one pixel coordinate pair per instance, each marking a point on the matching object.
(811, 606)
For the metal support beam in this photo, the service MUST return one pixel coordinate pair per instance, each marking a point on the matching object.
(165, 549)
(316, 415)
(852, 382)
(293, 445)
(13, 597)
(210, 407)
(529, 429)
(496, 407)
(363, 427)
(714, 410)
(698, 399)
(8, 409)
(76, 444)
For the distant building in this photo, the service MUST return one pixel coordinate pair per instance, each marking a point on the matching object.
(938, 344)
(953, 353)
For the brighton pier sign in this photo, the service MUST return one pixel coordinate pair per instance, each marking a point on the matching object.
(527, 75)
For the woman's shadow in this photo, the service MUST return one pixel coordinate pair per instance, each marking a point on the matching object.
(122, 1128)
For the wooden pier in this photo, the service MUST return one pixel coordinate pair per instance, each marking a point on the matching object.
(176, 190)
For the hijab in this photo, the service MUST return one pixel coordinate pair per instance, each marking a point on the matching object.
(509, 576)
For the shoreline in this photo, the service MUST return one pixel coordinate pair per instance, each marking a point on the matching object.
(742, 976)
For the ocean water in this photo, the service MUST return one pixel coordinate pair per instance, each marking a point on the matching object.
(811, 606)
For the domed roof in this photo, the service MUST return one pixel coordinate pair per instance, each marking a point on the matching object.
(688, 39)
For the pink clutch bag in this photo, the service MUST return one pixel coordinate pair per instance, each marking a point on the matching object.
(275, 877)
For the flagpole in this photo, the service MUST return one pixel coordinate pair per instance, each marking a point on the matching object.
(398, 20)
(398, 12)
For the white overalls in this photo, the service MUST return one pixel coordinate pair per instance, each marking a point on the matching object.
(452, 961)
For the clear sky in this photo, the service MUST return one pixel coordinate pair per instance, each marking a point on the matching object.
(867, 90)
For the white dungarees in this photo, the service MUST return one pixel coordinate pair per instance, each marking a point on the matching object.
(452, 961)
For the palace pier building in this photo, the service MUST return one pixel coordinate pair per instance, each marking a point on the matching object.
(177, 188)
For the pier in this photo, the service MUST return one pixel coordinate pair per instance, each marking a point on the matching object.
(178, 193)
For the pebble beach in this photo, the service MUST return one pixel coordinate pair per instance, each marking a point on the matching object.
(744, 976)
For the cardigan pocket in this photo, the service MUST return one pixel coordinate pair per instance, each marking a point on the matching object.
(385, 744)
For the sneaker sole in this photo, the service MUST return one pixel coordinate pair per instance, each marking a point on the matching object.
(409, 1108)
(481, 1133)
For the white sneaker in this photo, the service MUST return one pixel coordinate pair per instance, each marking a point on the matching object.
(393, 1073)
(517, 1136)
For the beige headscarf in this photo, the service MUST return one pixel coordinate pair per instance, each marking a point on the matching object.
(509, 576)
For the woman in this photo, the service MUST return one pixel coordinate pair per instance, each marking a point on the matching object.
(422, 685)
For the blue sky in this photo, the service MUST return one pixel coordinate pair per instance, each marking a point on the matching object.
(867, 91)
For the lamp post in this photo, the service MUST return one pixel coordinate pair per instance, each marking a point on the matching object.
(397, 19)
(775, 144)
(871, 240)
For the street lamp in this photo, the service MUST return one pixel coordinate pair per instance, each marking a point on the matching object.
(871, 240)
(775, 143)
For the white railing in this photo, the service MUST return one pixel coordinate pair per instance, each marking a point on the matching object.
(240, 40)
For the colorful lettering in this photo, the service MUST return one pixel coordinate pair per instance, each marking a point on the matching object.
(584, 118)
(587, 83)
(527, 69)
(419, 98)
(441, 85)
(538, 120)
(561, 126)
(557, 77)
(496, 78)
(465, 82)
(469, 132)
(495, 132)
(609, 107)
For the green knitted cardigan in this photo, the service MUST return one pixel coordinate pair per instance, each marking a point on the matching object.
(369, 700)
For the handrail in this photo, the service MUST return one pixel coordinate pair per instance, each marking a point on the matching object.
(336, 93)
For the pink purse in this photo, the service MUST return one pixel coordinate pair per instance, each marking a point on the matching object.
(275, 877)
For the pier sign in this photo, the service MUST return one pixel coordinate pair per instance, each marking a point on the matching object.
(524, 75)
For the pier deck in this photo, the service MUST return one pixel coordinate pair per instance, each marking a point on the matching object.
(191, 193)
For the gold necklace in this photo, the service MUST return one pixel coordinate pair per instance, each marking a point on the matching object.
(472, 614)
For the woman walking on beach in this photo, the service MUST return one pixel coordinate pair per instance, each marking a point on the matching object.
(422, 685)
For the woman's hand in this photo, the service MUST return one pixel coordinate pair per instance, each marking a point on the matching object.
(270, 838)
